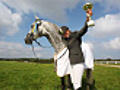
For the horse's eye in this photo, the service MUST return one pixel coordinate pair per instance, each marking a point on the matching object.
(28, 35)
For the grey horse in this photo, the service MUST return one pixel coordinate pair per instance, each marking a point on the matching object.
(51, 31)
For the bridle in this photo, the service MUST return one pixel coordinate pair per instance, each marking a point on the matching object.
(31, 37)
(35, 28)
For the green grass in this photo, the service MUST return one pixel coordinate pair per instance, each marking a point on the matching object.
(32, 76)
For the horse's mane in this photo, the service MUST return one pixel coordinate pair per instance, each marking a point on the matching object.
(55, 27)
(53, 35)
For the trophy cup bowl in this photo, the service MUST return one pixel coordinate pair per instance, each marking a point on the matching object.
(87, 7)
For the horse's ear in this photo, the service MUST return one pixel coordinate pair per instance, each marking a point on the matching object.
(37, 20)
(36, 17)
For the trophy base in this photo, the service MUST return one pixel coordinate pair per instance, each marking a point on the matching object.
(91, 23)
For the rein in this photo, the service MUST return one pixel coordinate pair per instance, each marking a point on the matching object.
(42, 45)
(33, 50)
(45, 47)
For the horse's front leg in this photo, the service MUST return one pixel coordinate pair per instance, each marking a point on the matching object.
(63, 86)
(69, 83)
(55, 65)
(89, 79)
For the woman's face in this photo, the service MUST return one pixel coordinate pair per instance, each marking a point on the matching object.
(66, 34)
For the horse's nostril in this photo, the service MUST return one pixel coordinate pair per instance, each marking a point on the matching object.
(25, 40)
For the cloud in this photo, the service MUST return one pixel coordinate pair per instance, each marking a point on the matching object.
(52, 9)
(113, 44)
(12, 12)
(9, 21)
(55, 9)
(106, 26)
(105, 50)
(17, 50)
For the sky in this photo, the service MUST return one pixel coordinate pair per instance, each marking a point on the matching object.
(16, 17)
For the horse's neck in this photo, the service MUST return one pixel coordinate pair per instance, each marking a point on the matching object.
(54, 37)
(56, 43)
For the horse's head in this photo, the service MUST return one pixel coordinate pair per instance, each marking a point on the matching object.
(49, 30)
(35, 31)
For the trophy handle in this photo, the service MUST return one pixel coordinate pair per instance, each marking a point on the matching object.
(89, 13)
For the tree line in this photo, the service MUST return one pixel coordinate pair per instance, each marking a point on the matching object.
(40, 60)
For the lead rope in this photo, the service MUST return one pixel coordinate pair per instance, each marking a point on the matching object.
(33, 49)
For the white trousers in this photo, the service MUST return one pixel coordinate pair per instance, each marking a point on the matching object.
(76, 72)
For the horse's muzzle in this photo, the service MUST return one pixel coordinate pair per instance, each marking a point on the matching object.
(28, 41)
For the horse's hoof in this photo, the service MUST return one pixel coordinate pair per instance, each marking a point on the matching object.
(62, 87)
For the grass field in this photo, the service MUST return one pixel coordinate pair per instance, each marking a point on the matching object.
(32, 76)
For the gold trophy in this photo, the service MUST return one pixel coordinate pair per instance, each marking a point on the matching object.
(88, 8)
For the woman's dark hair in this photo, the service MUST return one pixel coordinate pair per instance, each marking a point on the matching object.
(64, 29)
